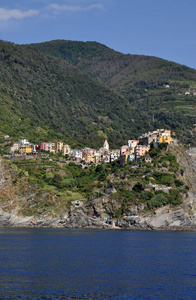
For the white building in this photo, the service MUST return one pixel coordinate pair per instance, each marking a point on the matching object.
(77, 154)
(15, 147)
(24, 142)
(106, 145)
(114, 155)
(132, 143)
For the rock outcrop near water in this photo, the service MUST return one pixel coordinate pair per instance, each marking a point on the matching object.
(181, 217)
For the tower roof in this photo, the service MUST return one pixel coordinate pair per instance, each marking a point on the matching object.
(106, 145)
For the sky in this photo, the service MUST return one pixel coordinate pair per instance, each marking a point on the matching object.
(161, 28)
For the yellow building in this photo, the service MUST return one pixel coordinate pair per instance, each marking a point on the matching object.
(89, 157)
(132, 150)
(59, 146)
(25, 149)
(66, 150)
(165, 138)
(53, 148)
(167, 131)
(124, 158)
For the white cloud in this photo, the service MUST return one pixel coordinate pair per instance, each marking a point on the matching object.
(58, 7)
(7, 14)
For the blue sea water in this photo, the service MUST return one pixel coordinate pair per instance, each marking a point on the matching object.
(40, 263)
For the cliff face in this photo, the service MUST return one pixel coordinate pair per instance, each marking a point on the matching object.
(181, 217)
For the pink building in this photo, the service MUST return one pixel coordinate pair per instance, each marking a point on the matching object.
(44, 146)
(124, 149)
(140, 150)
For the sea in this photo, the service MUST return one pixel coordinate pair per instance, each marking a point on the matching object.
(40, 263)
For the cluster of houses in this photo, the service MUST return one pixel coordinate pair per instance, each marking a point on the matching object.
(132, 151)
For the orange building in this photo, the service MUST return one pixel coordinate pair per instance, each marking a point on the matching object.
(25, 149)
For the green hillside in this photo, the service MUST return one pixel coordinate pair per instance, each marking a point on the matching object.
(43, 97)
(47, 98)
(155, 88)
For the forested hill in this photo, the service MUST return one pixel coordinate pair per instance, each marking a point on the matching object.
(157, 88)
(45, 98)
(117, 70)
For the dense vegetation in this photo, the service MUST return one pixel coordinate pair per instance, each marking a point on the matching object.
(81, 93)
(44, 98)
(48, 98)
(56, 182)
(154, 87)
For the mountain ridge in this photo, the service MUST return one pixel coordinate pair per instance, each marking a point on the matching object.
(56, 100)
(156, 85)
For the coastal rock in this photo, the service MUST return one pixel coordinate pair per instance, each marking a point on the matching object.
(182, 217)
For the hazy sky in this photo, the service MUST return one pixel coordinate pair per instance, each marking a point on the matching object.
(162, 28)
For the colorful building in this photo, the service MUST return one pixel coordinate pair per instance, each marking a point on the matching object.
(165, 138)
(140, 150)
(15, 147)
(106, 158)
(44, 146)
(89, 157)
(124, 148)
(114, 155)
(59, 146)
(77, 154)
(132, 143)
(25, 149)
(52, 147)
(66, 150)
(126, 157)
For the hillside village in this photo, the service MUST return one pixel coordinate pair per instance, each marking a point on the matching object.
(56, 102)
(38, 188)
(127, 153)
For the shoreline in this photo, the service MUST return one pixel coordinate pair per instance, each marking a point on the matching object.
(46, 226)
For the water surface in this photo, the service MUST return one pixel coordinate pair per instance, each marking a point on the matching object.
(96, 264)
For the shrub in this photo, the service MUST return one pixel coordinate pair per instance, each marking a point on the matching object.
(163, 146)
(157, 201)
(178, 183)
(57, 180)
(68, 182)
(102, 176)
(163, 178)
(146, 196)
(181, 172)
(119, 213)
(154, 152)
(164, 164)
(72, 164)
(138, 187)
(99, 168)
(174, 197)
(176, 201)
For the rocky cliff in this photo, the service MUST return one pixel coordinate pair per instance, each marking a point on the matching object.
(96, 214)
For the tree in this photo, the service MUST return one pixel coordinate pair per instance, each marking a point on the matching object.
(157, 201)
(57, 180)
(138, 187)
